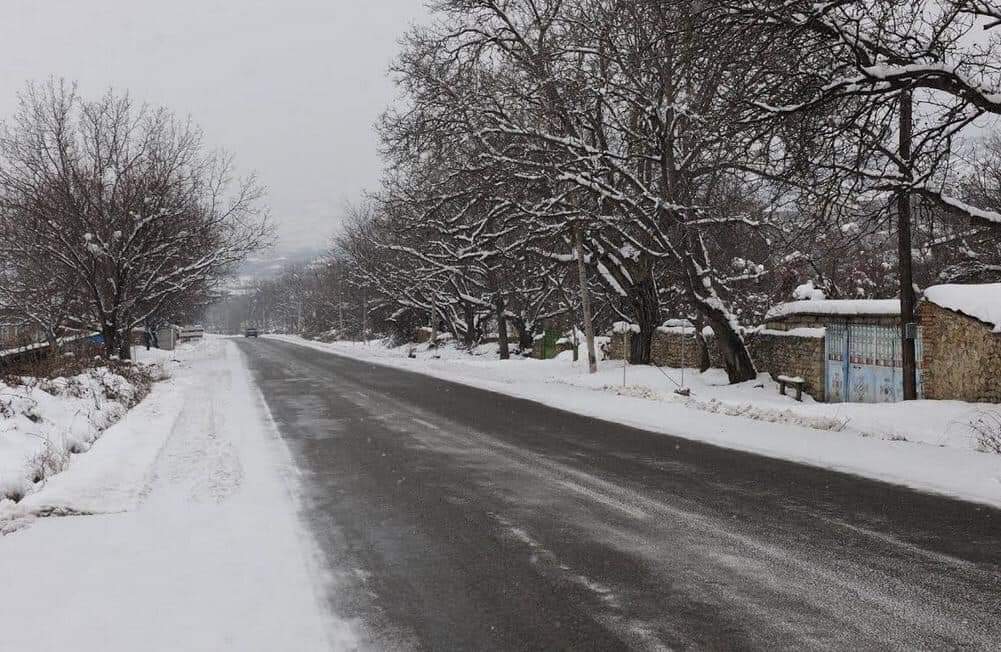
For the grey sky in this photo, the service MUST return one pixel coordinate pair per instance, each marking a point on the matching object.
(291, 87)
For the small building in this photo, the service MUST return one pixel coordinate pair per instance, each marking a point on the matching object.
(962, 342)
(850, 350)
(855, 355)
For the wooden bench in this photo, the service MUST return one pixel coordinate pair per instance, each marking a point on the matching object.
(794, 381)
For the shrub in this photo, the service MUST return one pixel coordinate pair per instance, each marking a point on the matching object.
(986, 427)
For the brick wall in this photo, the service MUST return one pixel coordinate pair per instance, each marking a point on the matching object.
(962, 357)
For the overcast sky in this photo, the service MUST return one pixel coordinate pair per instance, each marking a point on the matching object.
(291, 87)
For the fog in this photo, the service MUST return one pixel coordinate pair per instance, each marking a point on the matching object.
(291, 87)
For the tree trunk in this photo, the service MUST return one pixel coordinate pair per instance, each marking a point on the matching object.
(469, 338)
(524, 334)
(505, 351)
(499, 307)
(585, 300)
(736, 359)
(110, 334)
(433, 342)
(646, 312)
(52, 340)
(125, 346)
(705, 360)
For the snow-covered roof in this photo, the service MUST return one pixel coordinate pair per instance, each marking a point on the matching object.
(675, 323)
(837, 307)
(796, 332)
(981, 302)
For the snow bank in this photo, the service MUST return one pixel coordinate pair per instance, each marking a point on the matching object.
(208, 554)
(927, 445)
(44, 422)
(981, 302)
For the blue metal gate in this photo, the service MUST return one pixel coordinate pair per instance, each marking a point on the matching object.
(864, 364)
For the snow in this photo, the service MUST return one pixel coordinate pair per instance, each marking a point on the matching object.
(623, 327)
(926, 445)
(44, 422)
(795, 332)
(981, 302)
(837, 307)
(808, 292)
(683, 327)
(192, 542)
(38, 345)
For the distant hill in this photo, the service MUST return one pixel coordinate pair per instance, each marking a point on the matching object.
(270, 263)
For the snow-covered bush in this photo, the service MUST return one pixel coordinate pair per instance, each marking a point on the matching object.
(45, 420)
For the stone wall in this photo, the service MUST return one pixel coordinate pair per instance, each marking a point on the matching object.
(782, 354)
(774, 352)
(562, 344)
(671, 347)
(962, 357)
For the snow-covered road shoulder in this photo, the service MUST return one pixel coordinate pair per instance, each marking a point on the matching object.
(193, 542)
(113, 474)
(925, 445)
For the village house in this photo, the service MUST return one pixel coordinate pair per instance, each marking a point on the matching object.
(849, 350)
(961, 325)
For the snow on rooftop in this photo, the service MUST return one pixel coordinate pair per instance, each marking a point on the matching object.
(981, 302)
(839, 307)
(796, 332)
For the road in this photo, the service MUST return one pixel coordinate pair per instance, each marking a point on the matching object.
(452, 518)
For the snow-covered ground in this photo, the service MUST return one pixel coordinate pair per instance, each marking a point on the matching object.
(176, 531)
(44, 423)
(927, 445)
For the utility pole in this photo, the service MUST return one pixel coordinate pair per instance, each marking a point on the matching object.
(433, 339)
(585, 299)
(340, 306)
(364, 317)
(908, 330)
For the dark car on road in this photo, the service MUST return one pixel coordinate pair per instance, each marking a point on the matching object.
(250, 332)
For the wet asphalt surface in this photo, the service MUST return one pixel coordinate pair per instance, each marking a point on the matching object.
(452, 518)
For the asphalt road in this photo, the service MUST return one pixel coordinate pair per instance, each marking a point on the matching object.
(457, 519)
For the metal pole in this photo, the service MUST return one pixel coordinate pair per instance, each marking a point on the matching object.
(684, 344)
(625, 355)
(907, 298)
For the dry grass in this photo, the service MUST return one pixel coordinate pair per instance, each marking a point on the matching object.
(69, 365)
(986, 427)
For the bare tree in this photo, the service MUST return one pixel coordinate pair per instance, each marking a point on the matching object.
(123, 203)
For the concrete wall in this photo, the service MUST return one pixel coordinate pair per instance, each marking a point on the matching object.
(962, 357)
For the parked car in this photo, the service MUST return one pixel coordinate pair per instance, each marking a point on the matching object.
(250, 332)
